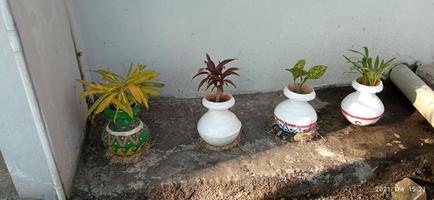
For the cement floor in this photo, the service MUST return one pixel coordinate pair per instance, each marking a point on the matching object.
(262, 166)
(7, 188)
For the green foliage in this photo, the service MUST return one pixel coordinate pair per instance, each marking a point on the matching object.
(301, 76)
(121, 92)
(372, 70)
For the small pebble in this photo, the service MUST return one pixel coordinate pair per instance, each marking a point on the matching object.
(396, 135)
(402, 146)
(429, 141)
(389, 144)
(279, 133)
(396, 142)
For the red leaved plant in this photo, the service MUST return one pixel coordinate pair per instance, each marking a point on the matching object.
(216, 76)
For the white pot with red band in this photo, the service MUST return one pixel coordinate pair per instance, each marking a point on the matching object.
(296, 115)
(363, 107)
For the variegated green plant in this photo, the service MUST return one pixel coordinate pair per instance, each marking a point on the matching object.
(121, 92)
(371, 70)
(301, 76)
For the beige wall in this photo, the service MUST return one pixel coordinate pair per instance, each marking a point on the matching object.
(48, 48)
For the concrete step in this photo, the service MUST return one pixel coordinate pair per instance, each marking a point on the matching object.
(262, 166)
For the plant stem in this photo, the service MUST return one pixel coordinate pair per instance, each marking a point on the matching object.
(219, 93)
(300, 86)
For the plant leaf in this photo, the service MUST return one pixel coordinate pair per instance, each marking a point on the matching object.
(150, 91)
(95, 105)
(89, 92)
(202, 82)
(230, 82)
(377, 62)
(135, 91)
(230, 71)
(222, 64)
(106, 102)
(366, 51)
(198, 74)
(153, 84)
(357, 52)
(296, 72)
(215, 74)
(107, 75)
(316, 71)
(210, 64)
(144, 76)
(128, 110)
(300, 64)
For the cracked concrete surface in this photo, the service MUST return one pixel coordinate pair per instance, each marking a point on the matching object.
(262, 166)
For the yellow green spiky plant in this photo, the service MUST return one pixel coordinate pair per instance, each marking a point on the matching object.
(121, 92)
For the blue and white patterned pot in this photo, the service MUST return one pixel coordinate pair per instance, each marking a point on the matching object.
(296, 115)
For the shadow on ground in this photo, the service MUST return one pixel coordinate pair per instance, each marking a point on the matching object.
(391, 159)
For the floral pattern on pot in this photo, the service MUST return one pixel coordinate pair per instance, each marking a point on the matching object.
(295, 115)
(123, 135)
(125, 143)
(292, 128)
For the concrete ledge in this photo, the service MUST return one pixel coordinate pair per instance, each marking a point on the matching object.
(263, 166)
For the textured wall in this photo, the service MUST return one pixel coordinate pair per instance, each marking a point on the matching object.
(20, 122)
(264, 36)
(49, 52)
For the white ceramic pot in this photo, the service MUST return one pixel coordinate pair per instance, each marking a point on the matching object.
(218, 126)
(296, 115)
(363, 107)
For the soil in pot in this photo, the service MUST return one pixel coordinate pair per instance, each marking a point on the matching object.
(213, 97)
(304, 89)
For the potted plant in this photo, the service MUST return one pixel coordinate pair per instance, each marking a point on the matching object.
(363, 107)
(218, 126)
(121, 98)
(295, 115)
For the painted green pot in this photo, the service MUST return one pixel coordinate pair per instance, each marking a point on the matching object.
(126, 136)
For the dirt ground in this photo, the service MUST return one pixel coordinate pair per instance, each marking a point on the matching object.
(418, 168)
(346, 162)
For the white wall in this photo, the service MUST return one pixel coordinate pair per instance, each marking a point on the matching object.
(23, 136)
(50, 57)
(265, 36)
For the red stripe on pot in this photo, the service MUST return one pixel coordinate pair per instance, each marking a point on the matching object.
(294, 125)
(362, 118)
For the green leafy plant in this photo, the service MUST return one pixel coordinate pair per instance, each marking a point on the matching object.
(301, 76)
(216, 76)
(372, 70)
(121, 92)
